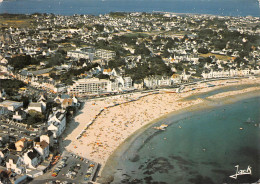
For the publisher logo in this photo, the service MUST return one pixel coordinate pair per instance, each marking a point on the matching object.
(241, 172)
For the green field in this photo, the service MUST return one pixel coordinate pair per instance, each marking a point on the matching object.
(218, 56)
(15, 21)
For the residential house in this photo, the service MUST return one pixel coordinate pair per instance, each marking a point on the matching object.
(42, 148)
(43, 102)
(37, 106)
(66, 101)
(218, 74)
(175, 78)
(21, 145)
(19, 115)
(3, 110)
(59, 88)
(107, 71)
(32, 158)
(156, 81)
(47, 137)
(185, 76)
(14, 163)
(57, 123)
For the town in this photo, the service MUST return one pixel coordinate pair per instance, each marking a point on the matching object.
(51, 64)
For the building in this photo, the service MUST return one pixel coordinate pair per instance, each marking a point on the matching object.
(105, 54)
(3, 110)
(19, 115)
(85, 53)
(92, 86)
(32, 158)
(11, 105)
(66, 101)
(124, 83)
(14, 163)
(152, 82)
(42, 148)
(47, 137)
(21, 144)
(37, 106)
(78, 54)
(57, 123)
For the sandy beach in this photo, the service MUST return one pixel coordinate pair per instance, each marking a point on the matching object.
(114, 119)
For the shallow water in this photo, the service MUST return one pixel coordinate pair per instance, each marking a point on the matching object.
(220, 90)
(198, 147)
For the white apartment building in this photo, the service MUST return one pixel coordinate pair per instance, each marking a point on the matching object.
(85, 53)
(105, 54)
(227, 73)
(128, 82)
(78, 54)
(92, 86)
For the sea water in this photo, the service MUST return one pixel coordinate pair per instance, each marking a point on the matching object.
(197, 147)
(96, 7)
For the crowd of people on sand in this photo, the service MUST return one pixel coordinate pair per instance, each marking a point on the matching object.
(116, 118)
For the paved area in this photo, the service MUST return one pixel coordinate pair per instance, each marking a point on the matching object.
(84, 170)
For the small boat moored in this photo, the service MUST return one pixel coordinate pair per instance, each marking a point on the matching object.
(162, 127)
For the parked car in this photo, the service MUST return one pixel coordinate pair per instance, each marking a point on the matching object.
(87, 176)
(54, 174)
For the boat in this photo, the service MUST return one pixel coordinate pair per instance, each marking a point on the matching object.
(162, 127)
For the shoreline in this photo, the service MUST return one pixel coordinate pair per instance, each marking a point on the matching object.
(117, 124)
(129, 148)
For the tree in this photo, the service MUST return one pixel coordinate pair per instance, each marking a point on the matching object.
(99, 27)
(71, 110)
(25, 100)
(55, 60)
(142, 50)
(166, 54)
(103, 76)
(116, 63)
(219, 44)
(11, 86)
(206, 33)
(20, 62)
(158, 67)
(139, 72)
(34, 117)
(240, 60)
(203, 50)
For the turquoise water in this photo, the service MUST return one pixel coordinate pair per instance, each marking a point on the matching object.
(197, 147)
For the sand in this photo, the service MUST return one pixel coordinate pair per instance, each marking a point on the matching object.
(115, 124)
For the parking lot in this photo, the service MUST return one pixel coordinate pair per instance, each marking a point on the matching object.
(71, 168)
